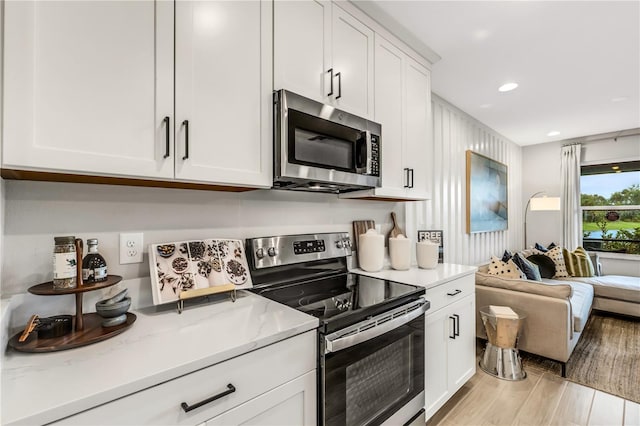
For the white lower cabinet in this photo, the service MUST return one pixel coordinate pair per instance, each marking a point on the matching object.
(275, 384)
(450, 341)
(293, 403)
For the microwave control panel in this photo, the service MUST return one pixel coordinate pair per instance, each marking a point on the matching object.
(375, 155)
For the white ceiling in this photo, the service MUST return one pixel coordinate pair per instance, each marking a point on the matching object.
(577, 63)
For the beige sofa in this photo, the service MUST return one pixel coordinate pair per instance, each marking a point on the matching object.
(557, 311)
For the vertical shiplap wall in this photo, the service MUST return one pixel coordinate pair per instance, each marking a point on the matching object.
(454, 132)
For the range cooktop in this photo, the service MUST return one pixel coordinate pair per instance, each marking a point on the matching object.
(342, 299)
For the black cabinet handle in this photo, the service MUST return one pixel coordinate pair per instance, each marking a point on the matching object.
(455, 293)
(168, 136)
(339, 85)
(454, 328)
(331, 80)
(456, 325)
(411, 174)
(185, 123)
(406, 177)
(186, 407)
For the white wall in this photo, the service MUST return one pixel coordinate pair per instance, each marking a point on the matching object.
(541, 172)
(454, 133)
(38, 211)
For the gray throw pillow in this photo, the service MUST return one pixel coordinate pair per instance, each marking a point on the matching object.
(530, 269)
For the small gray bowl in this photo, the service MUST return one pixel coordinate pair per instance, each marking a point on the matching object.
(112, 310)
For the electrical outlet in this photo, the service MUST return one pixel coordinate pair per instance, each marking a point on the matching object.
(131, 248)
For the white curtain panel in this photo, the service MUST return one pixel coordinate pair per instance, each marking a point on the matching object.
(570, 197)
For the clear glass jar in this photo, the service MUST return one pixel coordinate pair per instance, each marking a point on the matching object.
(64, 263)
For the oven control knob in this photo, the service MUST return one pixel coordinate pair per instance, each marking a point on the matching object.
(260, 253)
(271, 251)
(339, 244)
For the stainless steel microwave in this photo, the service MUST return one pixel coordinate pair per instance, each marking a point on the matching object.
(320, 148)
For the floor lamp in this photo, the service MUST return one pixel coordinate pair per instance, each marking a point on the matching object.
(539, 204)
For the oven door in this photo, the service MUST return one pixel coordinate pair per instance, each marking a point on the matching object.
(366, 382)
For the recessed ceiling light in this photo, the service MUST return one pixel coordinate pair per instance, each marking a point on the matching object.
(507, 87)
(553, 133)
(619, 99)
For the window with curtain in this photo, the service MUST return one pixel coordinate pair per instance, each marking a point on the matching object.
(610, 199)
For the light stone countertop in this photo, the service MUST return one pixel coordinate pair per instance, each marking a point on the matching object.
(159, 346)
(426, 278)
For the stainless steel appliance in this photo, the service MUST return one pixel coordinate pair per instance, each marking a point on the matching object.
(371, 335)
(320, 148)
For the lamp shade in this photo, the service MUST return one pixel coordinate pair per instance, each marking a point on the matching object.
(545, 203)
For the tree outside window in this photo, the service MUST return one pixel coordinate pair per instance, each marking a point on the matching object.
(611, 207)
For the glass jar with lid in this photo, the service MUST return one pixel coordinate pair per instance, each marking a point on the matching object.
(64, 263)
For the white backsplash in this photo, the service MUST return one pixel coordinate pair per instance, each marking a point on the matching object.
(38, 211)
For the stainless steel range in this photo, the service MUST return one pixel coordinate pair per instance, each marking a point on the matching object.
(371, 334)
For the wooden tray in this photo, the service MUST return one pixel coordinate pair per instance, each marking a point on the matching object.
(46, 289)
(93, 332)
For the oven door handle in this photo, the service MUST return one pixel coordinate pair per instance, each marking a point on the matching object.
(358, 333)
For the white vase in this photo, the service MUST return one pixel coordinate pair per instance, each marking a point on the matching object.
(371, 251)
(400, 253)
(427, 254)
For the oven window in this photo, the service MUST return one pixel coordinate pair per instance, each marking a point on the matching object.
(367, 383)
(370, 388)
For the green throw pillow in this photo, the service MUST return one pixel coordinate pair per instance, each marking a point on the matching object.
(578, 263)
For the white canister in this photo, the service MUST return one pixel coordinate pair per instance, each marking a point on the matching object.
(400, 252)
(427, 254)
(371, 251)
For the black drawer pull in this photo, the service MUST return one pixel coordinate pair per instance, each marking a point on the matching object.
(455, 293)
(186, 407)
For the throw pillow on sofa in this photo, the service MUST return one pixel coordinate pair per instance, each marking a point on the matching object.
(544, 249)
(530, 269)
(578, 262)
(555, 254)
(545, 265)
(505, 269)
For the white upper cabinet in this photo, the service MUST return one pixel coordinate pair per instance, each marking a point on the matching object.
(352, 54)
(223, 92)
(302, 57)
(403, 108)
(324, 53)
(419, 139)
(89, 89)
(87, 85)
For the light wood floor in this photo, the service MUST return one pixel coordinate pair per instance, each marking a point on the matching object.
(541, 399)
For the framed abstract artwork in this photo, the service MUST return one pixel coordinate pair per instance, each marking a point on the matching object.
(487, 203)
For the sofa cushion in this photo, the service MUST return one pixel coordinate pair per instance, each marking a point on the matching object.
(555, 254)
(613, 287)
(530, 269)
(546, 266)
(578, 262)
(505, 269)
(553, 289)
(581, 301)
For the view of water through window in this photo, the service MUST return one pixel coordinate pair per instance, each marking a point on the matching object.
(610, 196)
